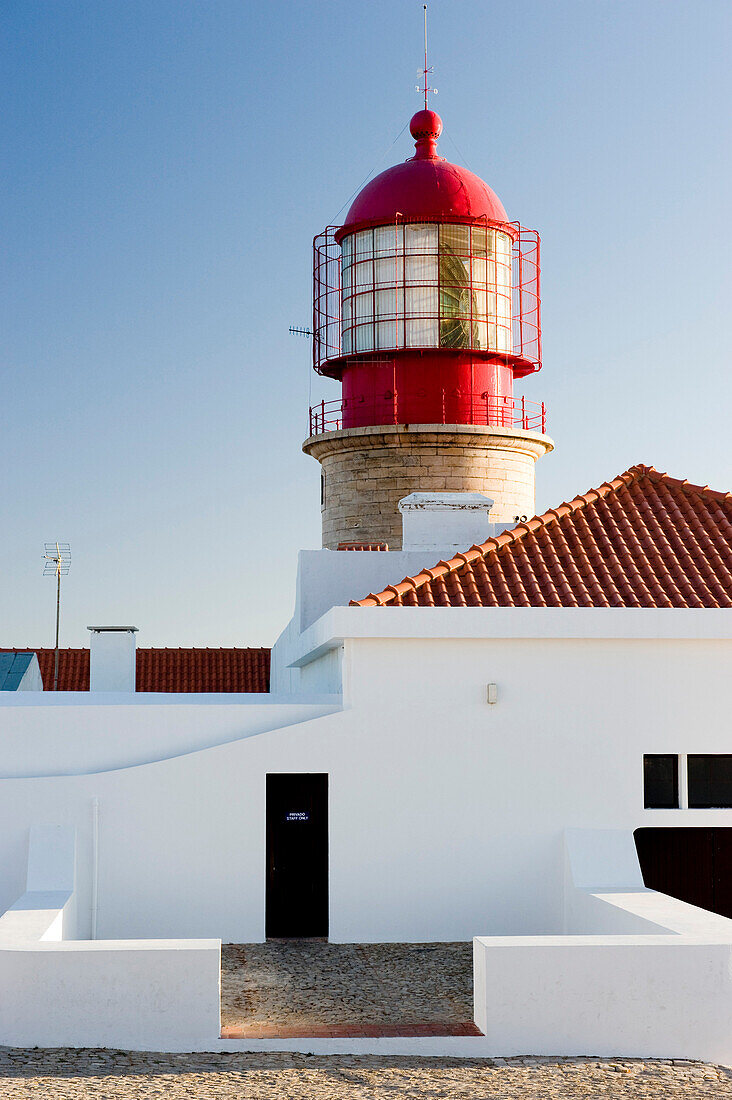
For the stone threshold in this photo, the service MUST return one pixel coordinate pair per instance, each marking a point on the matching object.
(415, 1030)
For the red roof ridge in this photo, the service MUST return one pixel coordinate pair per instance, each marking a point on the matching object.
(508, 538)
(688, 486)
(200, 648)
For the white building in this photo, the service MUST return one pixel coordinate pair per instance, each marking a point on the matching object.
(455, 745)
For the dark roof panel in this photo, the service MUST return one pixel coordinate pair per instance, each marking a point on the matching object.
(13, 667)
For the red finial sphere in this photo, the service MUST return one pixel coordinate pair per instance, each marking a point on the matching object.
(425, 124)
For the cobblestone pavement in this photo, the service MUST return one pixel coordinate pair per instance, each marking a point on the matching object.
(307, 985)
(90, 1074)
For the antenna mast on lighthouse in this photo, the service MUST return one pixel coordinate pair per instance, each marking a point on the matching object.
(424, 88)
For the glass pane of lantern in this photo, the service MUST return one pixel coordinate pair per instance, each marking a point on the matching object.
(347, 342)
(390, 303)
(481, 335)
(421, 269)
(388, 270)
(386, 334)
(457, 304)
(456, 238)
(481, 242)
(490, 271)
(364, 306)
(421, 333)
(457, 310)
(503, 338)
(454, 271)
(364, 243)
(421, 300)
(346, 275)
(347, 311)
(347, 249)
(388, 239)
(364, 337)
(503, 247)
(364, 272)
(420, 238)
(479, 271)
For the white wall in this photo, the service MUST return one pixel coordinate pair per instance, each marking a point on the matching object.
(151, 995)
(446, 814)
(77, 733)
(641, 974)
(142, 995)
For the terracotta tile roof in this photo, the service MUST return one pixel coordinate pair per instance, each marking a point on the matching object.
(167, 669)
(641, 540)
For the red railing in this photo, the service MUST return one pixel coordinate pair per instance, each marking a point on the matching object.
(487, 410)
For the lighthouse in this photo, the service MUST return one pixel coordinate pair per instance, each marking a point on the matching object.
(426, 309)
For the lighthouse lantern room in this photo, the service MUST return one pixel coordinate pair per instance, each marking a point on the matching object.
(426, 308)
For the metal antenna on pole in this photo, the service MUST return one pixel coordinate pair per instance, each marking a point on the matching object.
(425, 57)
(424, 88)
(57, 559)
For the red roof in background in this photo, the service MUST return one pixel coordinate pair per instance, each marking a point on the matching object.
(183, 670)
(641, 540)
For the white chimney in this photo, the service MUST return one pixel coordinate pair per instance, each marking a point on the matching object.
(445, 521)
(112, 658)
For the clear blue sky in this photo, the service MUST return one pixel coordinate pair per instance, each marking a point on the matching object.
(166, 165)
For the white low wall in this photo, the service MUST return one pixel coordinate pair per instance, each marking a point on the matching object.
(133, 994)
(136, 994)
(643, 975)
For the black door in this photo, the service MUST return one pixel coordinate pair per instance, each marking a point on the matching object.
(297, 856)
(694, 865)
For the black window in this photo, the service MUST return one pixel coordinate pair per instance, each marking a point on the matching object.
(660, 781)
(710, 781)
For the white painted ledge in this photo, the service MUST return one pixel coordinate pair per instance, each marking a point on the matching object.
(340, 623)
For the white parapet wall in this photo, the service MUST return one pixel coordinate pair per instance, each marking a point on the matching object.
(639, 973)
(57, 991)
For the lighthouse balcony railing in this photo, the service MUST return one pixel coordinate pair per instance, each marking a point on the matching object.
(485, 411)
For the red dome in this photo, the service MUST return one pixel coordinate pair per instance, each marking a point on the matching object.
(427, 186)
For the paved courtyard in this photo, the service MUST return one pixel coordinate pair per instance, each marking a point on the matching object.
(116, 1075)
(305, 987)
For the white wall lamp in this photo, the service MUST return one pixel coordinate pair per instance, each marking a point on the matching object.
(492, 693)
